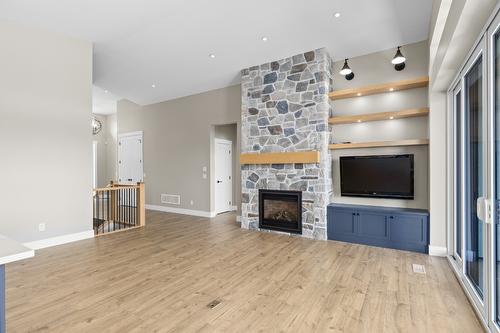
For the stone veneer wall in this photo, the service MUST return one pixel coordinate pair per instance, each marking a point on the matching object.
(285, 107)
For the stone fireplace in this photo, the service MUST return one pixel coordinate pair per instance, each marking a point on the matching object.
(285, 108)
(280, 210)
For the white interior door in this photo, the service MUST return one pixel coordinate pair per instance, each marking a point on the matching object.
(223, 176)
(130, 162)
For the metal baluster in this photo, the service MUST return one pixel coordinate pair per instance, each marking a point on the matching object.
(93, 215)
(119, 225)
(121, 205)
(97, 209)
(108, 207)
(138, 198)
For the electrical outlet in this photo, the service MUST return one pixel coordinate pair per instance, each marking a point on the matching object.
(41, 227)
(204, 176)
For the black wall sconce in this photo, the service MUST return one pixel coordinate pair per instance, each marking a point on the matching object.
(399, 60)
(346, 71)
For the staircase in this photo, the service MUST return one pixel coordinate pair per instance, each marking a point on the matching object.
(118, 207)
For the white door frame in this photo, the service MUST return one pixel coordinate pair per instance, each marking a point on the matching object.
(124, 135)
(214, 181)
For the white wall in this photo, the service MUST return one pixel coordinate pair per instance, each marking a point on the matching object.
(45, 133)
(111, 147)
(102, 151)
(376, 68)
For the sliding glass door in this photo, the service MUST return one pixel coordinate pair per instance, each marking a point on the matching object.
(494, 92)
(475, 184)
(474, 174)
(470, 177)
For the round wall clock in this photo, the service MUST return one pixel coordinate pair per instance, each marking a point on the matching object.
(96, 126)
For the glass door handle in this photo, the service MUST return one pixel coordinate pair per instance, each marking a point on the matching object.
(483, 207)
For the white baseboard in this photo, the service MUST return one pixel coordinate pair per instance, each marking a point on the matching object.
(59, 240)
(183, 211)
(438, 251)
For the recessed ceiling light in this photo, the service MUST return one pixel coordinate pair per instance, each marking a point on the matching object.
(153, 86)
(392, 89)
(211, 55)
(337, 15)
(264, 39)
(359, 94)
(391, 117)
(359, 120)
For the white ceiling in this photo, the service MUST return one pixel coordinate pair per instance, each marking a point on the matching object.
(103, 101)
(138, 43)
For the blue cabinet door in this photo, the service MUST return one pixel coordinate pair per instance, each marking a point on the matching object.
(374, 225)
(342, 223)
(408, 228)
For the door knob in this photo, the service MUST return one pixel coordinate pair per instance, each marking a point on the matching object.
(219, 181)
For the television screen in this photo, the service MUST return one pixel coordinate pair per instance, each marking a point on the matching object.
(387, 176)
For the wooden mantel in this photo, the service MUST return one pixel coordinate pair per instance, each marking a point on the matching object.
(280, 158)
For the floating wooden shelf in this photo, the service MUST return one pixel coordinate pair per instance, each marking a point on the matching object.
(375, 144)
(379, 116)
(380, 88)
(280, 158)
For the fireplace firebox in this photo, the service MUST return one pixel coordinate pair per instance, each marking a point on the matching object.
(280, 210)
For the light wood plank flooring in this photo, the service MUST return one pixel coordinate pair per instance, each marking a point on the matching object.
(162, 278)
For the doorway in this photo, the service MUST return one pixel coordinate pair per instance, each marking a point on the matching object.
(223, 176)
(130, 158)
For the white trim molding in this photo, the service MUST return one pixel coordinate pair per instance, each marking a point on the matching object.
(183, 211)
(438, 251)
(59, 240)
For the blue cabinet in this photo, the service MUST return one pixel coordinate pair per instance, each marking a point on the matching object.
(397, 228)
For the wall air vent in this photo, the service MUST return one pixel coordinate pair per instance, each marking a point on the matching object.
(171, 199)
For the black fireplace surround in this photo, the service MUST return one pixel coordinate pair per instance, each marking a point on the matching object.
(280, 210)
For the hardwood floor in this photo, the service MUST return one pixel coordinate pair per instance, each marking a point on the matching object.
(165, 278)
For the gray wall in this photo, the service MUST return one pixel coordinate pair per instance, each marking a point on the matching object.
(230, 132)
(178, 139)
(45, 130)
(374, 69)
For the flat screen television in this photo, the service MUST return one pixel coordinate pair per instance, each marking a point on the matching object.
(384, 176)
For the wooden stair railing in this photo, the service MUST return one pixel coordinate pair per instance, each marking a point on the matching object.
(118, 207)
